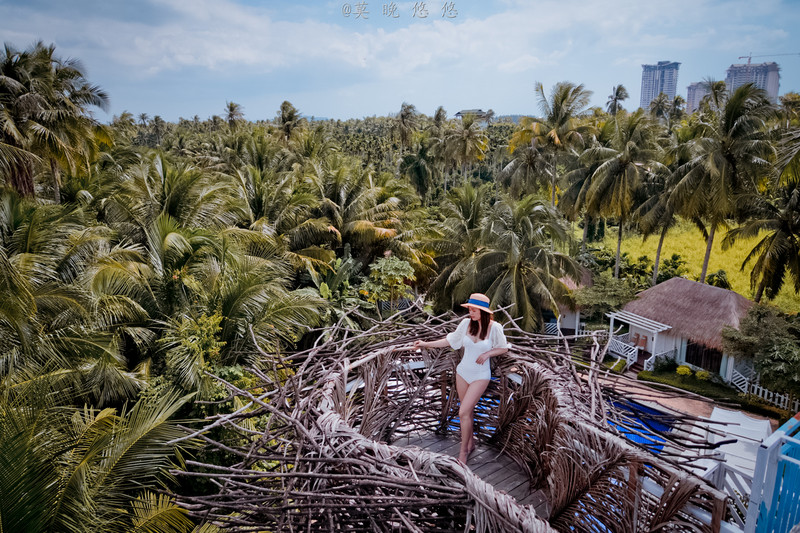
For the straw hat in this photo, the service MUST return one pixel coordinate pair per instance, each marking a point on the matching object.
(478, 301)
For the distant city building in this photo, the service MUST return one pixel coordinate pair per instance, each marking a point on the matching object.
(657, 79)
(763, 75)
(695, 92)
(478, 114)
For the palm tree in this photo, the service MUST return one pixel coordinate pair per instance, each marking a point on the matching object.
(676, 109)
(357, 209)
(618, 94)
(622, 166)
(88, 470)
(466, 143)
(660, 107)
(405, 125)
(525, 173)
(45, 105)
(729, 158)
(575, 199)
(464, 210)
(159, 129)
(233, 114)
(656, 213)
(420, 169)
(519, 266)
(776, 221)
(559, 130)
(289, 120)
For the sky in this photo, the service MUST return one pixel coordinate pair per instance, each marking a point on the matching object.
(336, 59)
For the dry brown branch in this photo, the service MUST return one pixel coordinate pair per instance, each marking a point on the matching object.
(325, 455)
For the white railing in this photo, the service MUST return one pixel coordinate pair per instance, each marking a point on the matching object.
(736, 485)
(774, 505)
(748, 386)
(740, 381)
(601, 333)
(551, 328)
(650, 362)
(776, 399)
(626, 351)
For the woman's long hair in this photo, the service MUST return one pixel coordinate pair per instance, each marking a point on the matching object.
(480, 328)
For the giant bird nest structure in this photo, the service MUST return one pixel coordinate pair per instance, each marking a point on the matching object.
(315, 446)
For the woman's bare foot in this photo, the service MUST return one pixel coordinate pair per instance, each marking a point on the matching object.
(464, 454)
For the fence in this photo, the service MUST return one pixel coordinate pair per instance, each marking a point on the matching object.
(775, 497)
(748, 386)
(736, 485)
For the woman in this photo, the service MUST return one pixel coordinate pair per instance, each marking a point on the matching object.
(482, 338)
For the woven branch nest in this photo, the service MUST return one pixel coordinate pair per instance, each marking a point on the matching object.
(311, 448)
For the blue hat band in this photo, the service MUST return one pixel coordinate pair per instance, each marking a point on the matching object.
(479, 303)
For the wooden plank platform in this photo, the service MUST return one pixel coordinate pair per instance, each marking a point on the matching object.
(488, 463)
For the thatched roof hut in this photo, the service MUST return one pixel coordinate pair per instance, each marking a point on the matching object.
(695, 310)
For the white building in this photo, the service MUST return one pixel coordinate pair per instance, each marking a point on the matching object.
(659, 78)
(765, 76)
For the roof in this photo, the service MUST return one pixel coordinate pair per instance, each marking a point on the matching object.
(635, 320)
(695, 310)
(477, 113)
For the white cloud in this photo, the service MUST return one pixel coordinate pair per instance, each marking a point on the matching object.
(517, 43)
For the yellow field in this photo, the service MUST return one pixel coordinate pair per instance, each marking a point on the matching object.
(687, 241)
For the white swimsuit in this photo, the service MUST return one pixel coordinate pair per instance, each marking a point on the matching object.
(468, 368)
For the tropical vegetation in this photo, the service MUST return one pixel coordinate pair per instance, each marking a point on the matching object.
(141, 258)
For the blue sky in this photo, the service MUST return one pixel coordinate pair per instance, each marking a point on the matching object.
(180, 58)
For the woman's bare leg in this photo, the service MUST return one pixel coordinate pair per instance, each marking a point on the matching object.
(469, 394)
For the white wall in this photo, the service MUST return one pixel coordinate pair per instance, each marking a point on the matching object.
(570, 319)
(664, 341)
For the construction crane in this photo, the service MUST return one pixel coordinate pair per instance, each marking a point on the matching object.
(751, 56)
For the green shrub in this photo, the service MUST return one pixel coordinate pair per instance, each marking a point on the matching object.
(619, 366)
(684, 371)
(665, 364)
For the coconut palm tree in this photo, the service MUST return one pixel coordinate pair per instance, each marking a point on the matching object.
(618, 94)
(677, 109)
(622, 165)
(44, 104)
(525, 173)
(519, 266)
(660, 107)
(730, 157)
(357, 208)
(466, 143)
(405, 125)
(776, 222)
(559, 130)
(464, 210)
(656, 213)
(233, 114)
(58, 319)
(289, 120)
(88, 470)
(420, 168)
(575, 199)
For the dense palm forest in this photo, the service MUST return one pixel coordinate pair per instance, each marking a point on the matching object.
(140, 257)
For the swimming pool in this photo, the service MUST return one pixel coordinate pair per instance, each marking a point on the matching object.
(642, 425)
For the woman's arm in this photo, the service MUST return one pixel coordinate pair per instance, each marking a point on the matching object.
(494, 352)
(438, 343)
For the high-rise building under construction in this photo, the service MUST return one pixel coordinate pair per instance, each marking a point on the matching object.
(763, 75)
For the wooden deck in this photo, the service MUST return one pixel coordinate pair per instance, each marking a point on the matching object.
(489, 464)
